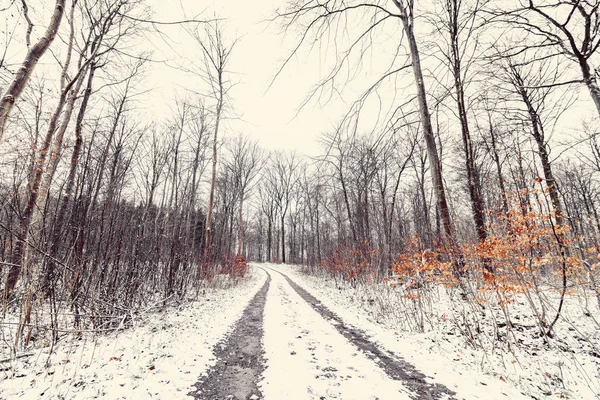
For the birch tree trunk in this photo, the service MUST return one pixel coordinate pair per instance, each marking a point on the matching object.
(22, 76)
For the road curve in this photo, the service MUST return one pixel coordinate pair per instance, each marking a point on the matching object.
(240, 361)
(393, 364)
(287, 345)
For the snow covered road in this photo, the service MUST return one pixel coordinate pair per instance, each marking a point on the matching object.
(392, 364)
(273, 337)
(307, 358)
(239, 359)
(308, 354)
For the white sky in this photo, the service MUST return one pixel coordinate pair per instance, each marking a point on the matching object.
(269, 116)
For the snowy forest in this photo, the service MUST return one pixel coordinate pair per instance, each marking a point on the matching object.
(450, 196)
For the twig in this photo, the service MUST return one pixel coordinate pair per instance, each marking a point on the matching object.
(4, 360)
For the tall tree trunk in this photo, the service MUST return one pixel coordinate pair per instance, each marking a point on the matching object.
(589, 78)
(22, 76)
(539, 137)
(428, 134)
(498, 164)
(269, 239)
(347, 203)
(241, 225)
(318, 231)
(33, 191)
(55, 155)
(66, 199)
(213, 180)
(283, 238)
(473, 183)
(538, 134)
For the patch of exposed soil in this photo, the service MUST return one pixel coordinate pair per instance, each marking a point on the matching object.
(240, 361)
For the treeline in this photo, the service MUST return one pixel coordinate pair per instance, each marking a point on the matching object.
(469, 151)
(455, 146)
(104, 210)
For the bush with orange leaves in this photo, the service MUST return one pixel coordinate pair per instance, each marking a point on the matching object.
(418, 265)
(514, 256)
(518, 245)
(351, 263)
(235, 267)
(525, 254)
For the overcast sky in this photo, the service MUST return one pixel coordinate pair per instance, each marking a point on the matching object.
(271, 115)
(268, 115)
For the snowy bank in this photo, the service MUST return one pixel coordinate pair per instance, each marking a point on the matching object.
(160, 357)
(565, 368)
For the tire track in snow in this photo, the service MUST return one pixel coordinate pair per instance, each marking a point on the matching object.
(240, 360)
(308, 359)
(393, 365)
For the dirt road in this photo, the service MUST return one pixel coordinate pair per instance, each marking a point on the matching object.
(287, 345)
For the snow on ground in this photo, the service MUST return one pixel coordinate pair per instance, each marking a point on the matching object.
(160, 358)
(307, 358)
(165, 353)
(531, 371)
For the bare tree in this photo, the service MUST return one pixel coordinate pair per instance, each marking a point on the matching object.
(43, 170)
(407, 16)
(245, 159)
(315, 18)
(21, 78)
(528, 81)
(569, 29)
(460, 27)
(266, 199)
(388, 178)
(216, 57)
(282, 177)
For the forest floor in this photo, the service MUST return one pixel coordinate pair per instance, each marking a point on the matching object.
(160, 357)
(282, 334)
